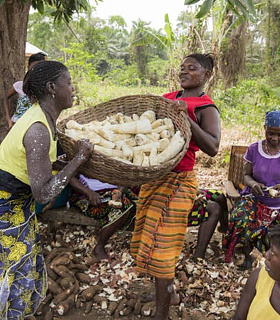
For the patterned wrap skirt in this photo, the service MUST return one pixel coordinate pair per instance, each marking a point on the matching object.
(199, 212)
(161, 223)
(249, 223)
(23, 277)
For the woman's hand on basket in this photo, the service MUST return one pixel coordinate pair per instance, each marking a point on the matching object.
(85, 148)
(180, 105)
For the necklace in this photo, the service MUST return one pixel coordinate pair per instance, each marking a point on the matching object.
(267, 152)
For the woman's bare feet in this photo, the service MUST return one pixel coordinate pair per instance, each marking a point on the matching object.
(99, 252)
(175, 298)
(97, 255)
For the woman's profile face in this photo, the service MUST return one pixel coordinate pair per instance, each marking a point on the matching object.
(192, 74)
(64, 91)
(272, 262)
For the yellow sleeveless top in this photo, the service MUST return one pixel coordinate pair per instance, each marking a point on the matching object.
(261, 308)
(12, 151)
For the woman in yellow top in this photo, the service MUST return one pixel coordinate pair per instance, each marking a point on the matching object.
(26, 157)
(261, 295)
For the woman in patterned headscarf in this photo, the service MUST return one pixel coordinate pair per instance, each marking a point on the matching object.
(259, 207)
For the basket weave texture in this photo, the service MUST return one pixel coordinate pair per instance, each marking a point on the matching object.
(106, 169)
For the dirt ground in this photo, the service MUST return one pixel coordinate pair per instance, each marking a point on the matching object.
(208, 289)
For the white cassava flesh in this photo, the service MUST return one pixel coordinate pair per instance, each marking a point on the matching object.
(72, 124)
(141, 126)
(141, 140)
(174, 147)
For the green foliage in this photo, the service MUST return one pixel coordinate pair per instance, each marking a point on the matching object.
(246, 104)
(205, 8)
(63, 9)
(157, 68)
(123, 75)
(93, 93)
(276, 91)
(107, 60)
(79, 63)
(244, 9)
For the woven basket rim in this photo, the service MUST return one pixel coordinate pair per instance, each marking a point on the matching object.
(117, 99)
(143, 170)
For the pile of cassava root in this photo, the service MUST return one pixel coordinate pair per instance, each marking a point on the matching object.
(72, 284)
(69, 284)
(139, 140)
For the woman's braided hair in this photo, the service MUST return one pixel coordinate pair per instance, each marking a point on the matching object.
(274, 235)
(35, 80)
(206, 60)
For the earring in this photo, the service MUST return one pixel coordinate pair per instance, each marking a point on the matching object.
(53, 96)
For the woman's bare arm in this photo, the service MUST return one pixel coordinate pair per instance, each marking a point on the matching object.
(43, 184)
(256, 187)
(207, 134)
(247, 296)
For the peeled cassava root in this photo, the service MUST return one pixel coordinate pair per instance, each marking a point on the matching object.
(139, 140)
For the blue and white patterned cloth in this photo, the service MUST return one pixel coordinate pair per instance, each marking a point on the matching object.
(23, 277)
(272, 118)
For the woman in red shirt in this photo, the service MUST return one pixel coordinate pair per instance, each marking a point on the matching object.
(163, 207)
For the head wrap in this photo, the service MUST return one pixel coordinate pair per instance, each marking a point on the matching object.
(272, 118)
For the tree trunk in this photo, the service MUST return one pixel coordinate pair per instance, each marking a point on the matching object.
(13, 32)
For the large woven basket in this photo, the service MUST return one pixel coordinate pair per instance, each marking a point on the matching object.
(106, 169)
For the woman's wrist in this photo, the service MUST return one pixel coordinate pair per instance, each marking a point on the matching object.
(81, 158)
(254, 184)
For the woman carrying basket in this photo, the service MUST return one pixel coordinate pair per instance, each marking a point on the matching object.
(26, 157)
(163, 207)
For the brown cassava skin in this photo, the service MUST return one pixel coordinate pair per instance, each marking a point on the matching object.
(137, 307)
(60, 261)
(63, 271)
(78, 267)
(82, 277)
(78, 304)
(88, 293)
(67, 304)
(48, 298)
(58, 252)
(126, 311)
(120, 307)
(66, 283)
(147, 308)
(131, 303)
(53, 286)
(48, 315)
(73, 257)
(62, 296)
(88, 306)
(112, 307)
(99, 299)
(51, 273)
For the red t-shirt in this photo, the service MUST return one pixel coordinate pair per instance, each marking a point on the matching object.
(188, 161)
